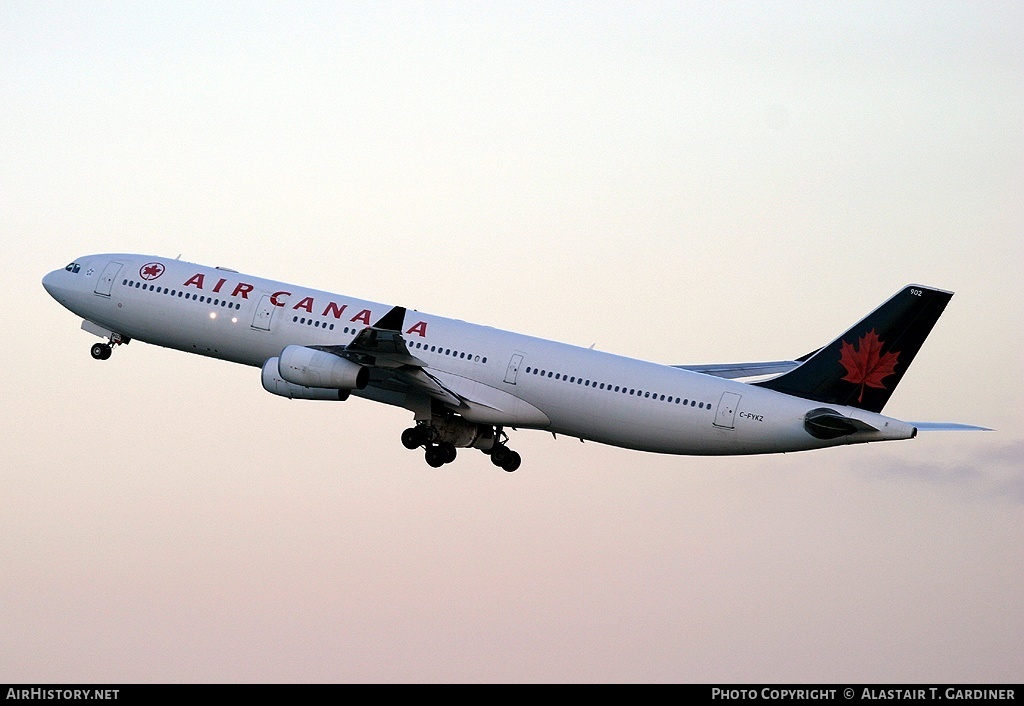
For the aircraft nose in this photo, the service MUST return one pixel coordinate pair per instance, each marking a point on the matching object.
(48, 283)
(51, 283)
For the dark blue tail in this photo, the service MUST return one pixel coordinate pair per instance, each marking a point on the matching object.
(862, 367)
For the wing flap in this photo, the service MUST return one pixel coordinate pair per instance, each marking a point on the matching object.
(425, 382)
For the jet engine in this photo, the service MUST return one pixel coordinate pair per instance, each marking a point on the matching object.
(309, 367)
(273, 383)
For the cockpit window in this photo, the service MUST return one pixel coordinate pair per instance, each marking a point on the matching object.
(74, 268)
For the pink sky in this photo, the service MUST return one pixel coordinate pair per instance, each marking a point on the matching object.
(681, 183)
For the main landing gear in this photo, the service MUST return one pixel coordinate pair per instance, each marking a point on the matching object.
(442, 435)
(505, 458)
(102, 351)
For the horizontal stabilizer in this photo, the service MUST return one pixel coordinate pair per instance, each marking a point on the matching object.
(742, 370)
(947, 426)
(732, 371)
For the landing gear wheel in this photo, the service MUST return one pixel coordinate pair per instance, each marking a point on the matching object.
(436, 456)
(449, 451)
(414, 437)
(505, 458)
(512, 463)
(411, 438)
(100, 351)
(499, 454)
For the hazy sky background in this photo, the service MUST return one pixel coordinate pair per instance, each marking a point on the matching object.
(685, 182)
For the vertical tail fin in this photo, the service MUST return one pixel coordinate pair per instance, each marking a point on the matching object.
(862, 367)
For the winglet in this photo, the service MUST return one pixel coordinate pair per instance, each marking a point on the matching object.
(393, 320)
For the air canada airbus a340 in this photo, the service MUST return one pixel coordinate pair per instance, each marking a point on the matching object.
(467, 384)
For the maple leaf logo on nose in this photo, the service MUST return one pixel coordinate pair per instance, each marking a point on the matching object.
(866, 365)
(151, 271)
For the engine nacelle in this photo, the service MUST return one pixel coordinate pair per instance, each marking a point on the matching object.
(273, 383)
(309, 367)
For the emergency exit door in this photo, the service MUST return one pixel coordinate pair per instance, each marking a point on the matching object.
(726, 414)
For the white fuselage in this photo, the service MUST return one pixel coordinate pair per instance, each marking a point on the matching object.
(534, 383)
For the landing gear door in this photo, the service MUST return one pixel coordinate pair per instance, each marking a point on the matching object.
(107, 277)
(513, 368)
(727, 410)
(264, 313)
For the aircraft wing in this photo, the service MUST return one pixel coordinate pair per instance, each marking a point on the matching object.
(383, 349)
(377, 347)
(393, 368)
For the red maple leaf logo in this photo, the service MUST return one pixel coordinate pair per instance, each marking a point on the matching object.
(151, 271)
(866, 365)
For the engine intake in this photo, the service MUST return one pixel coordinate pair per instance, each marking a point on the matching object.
(309, 367)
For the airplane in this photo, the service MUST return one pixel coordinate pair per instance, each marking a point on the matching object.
(466, 384)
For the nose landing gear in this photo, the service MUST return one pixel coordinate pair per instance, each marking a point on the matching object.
(102, 351)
